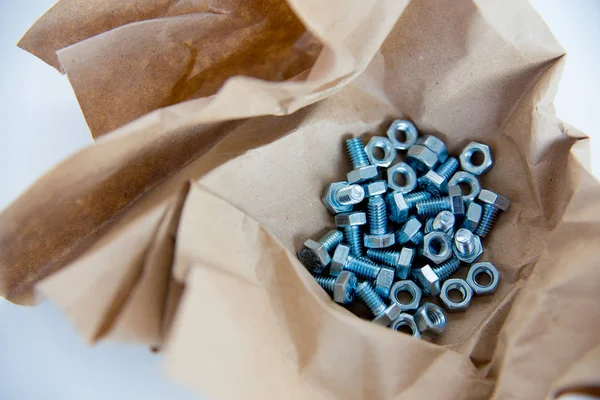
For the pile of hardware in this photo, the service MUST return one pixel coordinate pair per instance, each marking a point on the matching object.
(404, 238)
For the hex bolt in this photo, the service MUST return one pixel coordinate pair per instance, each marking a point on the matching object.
(453, 202)
(436, 181)
(465, 243)
(351, 224)
(400, 260)
(431, 279)
(341, 287)
(400, 205)
(447, 268)
(448, 168)
(362, 267)
(350, 195)
(492, 205)
(467, 247)
(339, 197)
(384, 315)
(315, 254)
(362, 169)
(379, 236)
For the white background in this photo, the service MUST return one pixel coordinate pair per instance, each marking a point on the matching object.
(41, 357)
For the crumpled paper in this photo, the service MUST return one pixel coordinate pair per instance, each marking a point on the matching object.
(178, 229)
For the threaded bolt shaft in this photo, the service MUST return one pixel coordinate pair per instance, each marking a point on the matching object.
(377, 215)
(354, 238)
(429, 225)
(412, 199)
(417, 239)
(464, 241)
(447, 268)
(356, 152)
(487, 220)
(448, 168)
(362, 267)
(431, 208)
(349, 195)
(387, 257)
(331, 239)
(326, 282)
(370, 298)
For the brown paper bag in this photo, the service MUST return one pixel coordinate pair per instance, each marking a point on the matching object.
(119, 237)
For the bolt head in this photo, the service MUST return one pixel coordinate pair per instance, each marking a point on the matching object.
(362, 174)
(432, 242)
(344, 286)
(411, 228)
(466, 155)
(433, 183)
(406, 286)
(408, 128)
(397, 207)
(407, 255)
(436, 145)
(430, 319)
(494, 199)
(428, 280)
(339, 259)
(314, 256)
(349, 219)
(389, 151)
(460, 285)
(379, 241)
(483, 268)
(384, 281)
(457, 204)
(472, 217)
(421, 158)
(375, 188)
(388, 315)
(328, 198)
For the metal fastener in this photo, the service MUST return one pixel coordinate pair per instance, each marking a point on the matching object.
(468, 179)
(444, 222)
(341, 287)
(315, 254)
(453, 203)
(351, 224)
(410, 232)
(472, 217)
(483, 268)
(463, 288)
(340, 197)
(421, 158)
(436, 145)
(401, 260)
(493, 203)
(362, 169)
(406, 128)
(430, 319)
(437, 247)
(406, 287)
(436, 181)
(467, 247)
(374, 188)
(408, 174)
(384, 315)
(431, 279)
(466, 158)
(406, 321)
(379, 236)
(400, 205)
(389, 151)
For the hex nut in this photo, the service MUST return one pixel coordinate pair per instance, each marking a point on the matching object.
(388, 315)
(436, 145)
(389, 151)
(344, 287)
(405, 261)
(437, 247)
(469, 258)
(379, 241)
(463, 287)
(494, 199)
(406, 320)
(375, 188)
(410, 177)
(362, 174)
(408, 129)
(314, 256)
(339, 259)
(433, 183)
(466, 158)
(350, 219)
(429, 281)
(483, 268)
(457, 204)
(430, 319)
(384, 281)
(409, 287)
(398, 209)
(469, 179)
(472, 217)
(421, 158)
(408, 231)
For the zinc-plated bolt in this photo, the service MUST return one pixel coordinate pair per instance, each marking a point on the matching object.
(492, 205)
(430, 279)
(448, 168)
(339, 197)
(349, 195)
(315, 254)
(453, 202)
(401, 261)
(379, 236)
(467, 247)
(341, 287)
(362, 169)
(353, 236)
(384, 315)
(436, 181)
(447, 268)
(400, 205)
(362, 267)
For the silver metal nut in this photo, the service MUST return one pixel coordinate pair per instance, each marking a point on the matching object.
(430, 319)
(398, 209)
(329, 201)
(436, 145)
(314, 256)
(374, 188)
(384, 281)
(362, 174)
(344, 287)
(406, 321)
(350, 219)
(433, 183)
(488, 269)
(429, 281)
(407, 255)
(379, 241)
(466, 158)
(469, 258)
(497, 200)
(463, 288)
(408, 129)
(408, 287)
(388, 315)
(457, 204)
(468, 179)
(339, 259)
(409, 174)
(389, 151)
(472, 217)
(437, 247)
(408, 231)
(421, 158)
